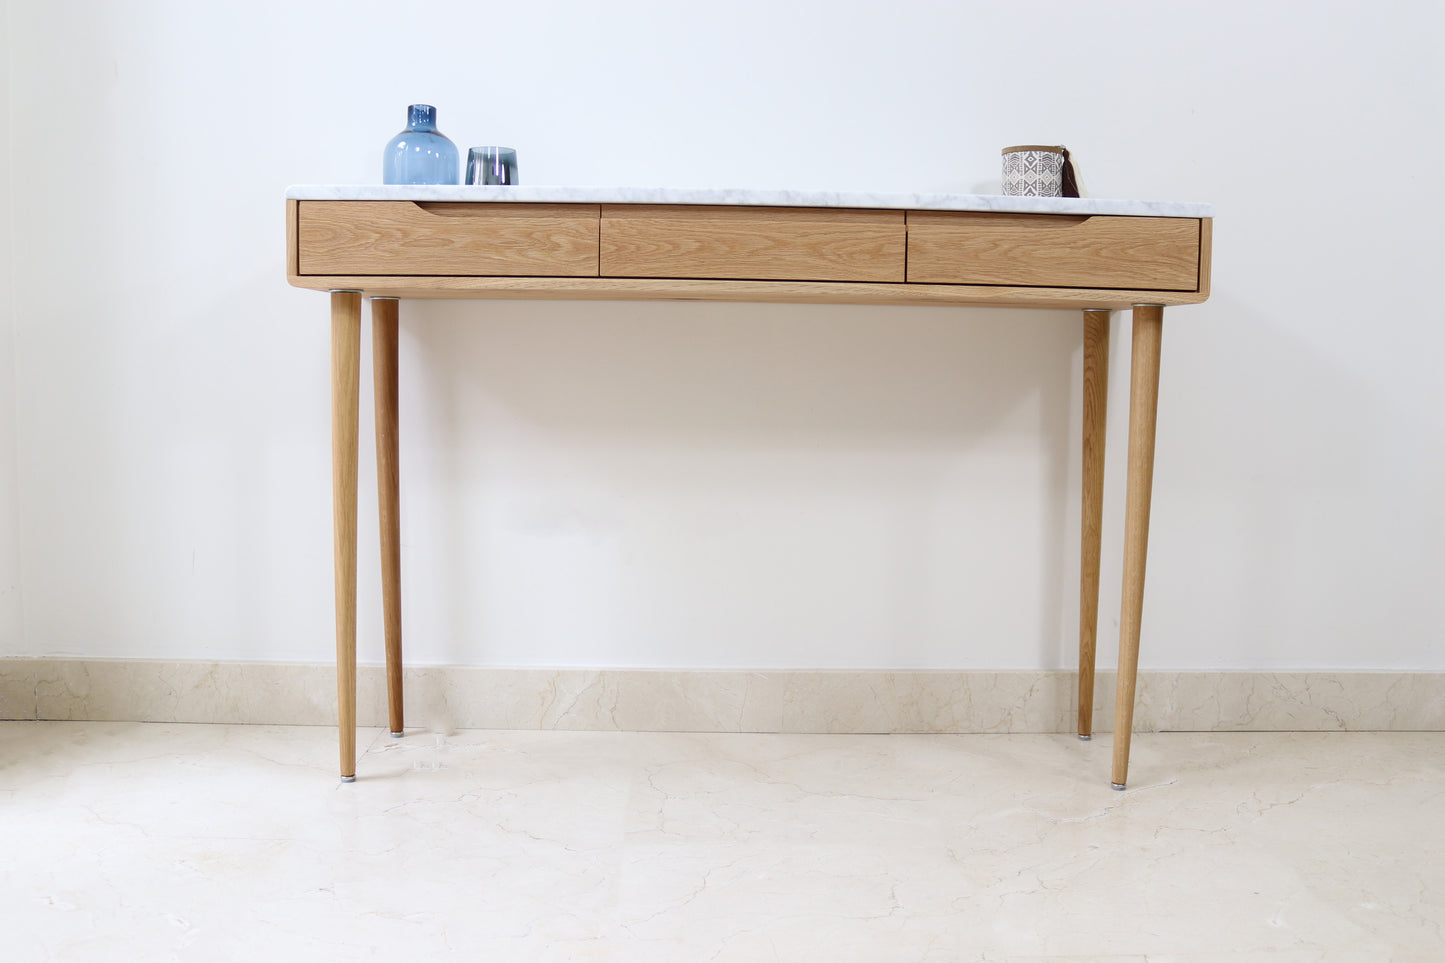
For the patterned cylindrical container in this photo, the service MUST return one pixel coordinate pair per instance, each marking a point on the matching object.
(1032, 170)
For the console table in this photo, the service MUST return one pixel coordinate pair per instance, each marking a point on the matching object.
(1089, 255)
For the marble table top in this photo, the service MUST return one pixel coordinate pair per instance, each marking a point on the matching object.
(762, 198)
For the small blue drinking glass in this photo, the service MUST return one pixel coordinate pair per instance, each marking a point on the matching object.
(491, 165)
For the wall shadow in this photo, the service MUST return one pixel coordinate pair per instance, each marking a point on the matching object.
(678, 380)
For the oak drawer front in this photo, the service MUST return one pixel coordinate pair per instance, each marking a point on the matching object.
(447, 239)
(764, 243)
(1050, 250)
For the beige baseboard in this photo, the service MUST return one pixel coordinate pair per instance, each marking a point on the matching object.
(789, 700)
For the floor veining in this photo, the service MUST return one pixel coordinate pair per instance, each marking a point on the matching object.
(129, 841)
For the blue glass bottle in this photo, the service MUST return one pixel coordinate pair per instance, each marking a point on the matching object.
(421, 154)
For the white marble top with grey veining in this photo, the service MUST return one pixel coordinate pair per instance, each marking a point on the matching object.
(760, 198)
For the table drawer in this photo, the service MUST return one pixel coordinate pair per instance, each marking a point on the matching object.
(1050, 250)
(764, 243)
(438, 238)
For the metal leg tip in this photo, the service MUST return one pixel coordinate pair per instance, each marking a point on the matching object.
(397, 735)
(1084, 738)
(348, 779)
(1118, 786)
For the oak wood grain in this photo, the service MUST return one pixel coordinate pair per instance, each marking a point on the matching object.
(345, 404)
(1143, 411)
(767, 243)
(291, 245)
(1154, 253)
(1095, 418)
(1206, 255)
(692, 289)
(389, 237)
(388, 489)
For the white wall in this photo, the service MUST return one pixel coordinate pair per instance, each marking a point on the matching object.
(725, 485)
(9, 479)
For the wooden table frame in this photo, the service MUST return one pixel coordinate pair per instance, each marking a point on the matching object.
(387, 250)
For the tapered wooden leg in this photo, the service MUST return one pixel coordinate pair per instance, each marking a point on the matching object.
(384, 366)
(1143, 407)
(1096, 393)
(345, 401)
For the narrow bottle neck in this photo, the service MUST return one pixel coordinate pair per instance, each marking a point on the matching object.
(421, 117)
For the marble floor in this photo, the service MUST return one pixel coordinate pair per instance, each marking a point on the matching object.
(128, 841)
